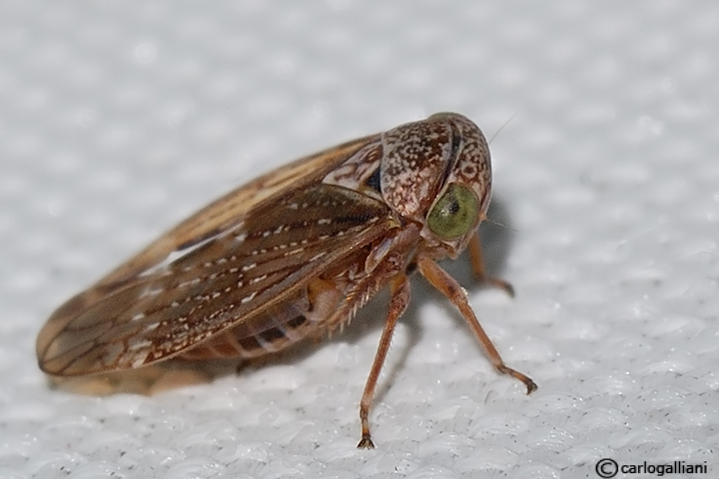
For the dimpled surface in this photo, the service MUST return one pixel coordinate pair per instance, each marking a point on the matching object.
(120, 118)
(415, 159)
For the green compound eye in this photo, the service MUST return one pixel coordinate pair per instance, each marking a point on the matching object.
(455, 213)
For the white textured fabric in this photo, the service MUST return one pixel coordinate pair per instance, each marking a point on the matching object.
(119, 118)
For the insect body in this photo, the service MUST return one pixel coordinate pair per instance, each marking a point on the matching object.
(293, 254)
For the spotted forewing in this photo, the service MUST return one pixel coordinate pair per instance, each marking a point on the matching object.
(292, 254)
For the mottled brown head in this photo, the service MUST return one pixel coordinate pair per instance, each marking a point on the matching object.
(438, 172)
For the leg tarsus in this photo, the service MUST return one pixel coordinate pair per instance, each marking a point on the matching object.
(530, 385)
(365, 443)
(501, 284)
(477, 258)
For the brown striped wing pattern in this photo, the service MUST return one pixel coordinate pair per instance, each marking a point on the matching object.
(211, 284)
(230, 210)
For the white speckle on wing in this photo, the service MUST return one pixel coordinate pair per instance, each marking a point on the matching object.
(318, 256)
(192, 282)
(140, 361)
(248, 298)
(164, 265)
(258, 279)
(150, 291)
(139, 345)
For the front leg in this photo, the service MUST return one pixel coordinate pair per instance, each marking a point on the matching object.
(400, 291)
(454, 292)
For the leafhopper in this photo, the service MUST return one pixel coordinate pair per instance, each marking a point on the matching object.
(293, 254)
